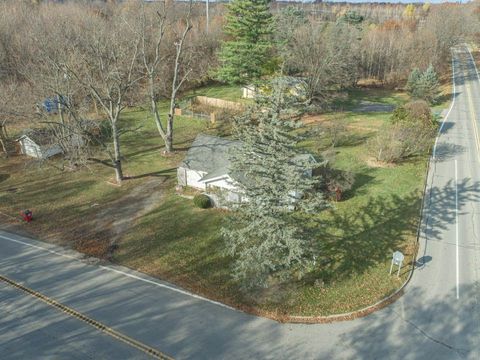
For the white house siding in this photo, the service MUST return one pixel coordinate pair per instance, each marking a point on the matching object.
(30, 148)
(222, 183)
(224, 192)
(188, 177)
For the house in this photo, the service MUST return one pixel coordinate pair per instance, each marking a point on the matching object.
(38, 143)
(206, 167)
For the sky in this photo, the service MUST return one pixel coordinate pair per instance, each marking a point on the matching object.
(361, 1)
(386, 1)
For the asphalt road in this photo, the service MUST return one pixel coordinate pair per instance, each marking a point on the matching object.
(437, 318)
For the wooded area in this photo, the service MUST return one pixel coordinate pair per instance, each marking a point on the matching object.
(97, 58)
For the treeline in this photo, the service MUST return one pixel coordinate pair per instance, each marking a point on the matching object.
(105, 56)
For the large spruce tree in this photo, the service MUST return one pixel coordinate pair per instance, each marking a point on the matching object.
(246, 55)
(268, 234)
(424, 85)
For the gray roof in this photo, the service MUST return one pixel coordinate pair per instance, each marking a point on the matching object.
(209, 154)
(41, 136)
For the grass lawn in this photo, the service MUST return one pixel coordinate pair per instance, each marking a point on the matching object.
(182, 244)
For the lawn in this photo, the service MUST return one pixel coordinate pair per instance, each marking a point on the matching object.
(177, 242)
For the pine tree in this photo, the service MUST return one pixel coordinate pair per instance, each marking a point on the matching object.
(352, 18)
(412, 81)
(429, 85)
(268, 234)
(424, 86)
(245, 57)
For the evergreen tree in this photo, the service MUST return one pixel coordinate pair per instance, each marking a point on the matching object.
(352, 17)
(413, 79)
(424, 86)
(269, 234)
(246, 56)
(429, 85)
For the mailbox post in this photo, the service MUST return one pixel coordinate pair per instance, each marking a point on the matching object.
(397, 259)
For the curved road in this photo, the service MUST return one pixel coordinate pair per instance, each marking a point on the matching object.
(437, 318)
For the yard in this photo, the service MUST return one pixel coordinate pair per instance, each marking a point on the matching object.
(165, 236)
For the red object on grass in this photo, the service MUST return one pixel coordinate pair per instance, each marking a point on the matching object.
(27, 215)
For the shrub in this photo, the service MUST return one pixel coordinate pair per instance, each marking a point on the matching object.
(335, 132)
(335, 182)
(398, 142)
(202, 201)
(414, 114)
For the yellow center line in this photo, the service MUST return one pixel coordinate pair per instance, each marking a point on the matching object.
(473, 117)
(96, 324)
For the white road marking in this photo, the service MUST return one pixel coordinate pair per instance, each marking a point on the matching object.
(120, 272)
(456, 229)
(473, 61)
(449, 110)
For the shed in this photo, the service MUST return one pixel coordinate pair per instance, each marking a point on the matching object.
(38, 143)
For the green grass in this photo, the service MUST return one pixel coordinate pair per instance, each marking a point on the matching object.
(354, 98)
(181, 243)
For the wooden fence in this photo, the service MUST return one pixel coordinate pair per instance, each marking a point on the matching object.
(219, 103)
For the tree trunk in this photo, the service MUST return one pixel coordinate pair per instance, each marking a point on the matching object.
(118, 172)
(169, 140)
(117, 163)
(154, 109)
(4, 147)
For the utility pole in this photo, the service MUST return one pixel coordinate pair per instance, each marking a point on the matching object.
(208, 17)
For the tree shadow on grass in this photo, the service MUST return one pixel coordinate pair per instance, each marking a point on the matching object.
(145, 151)
(162, 173)
(354, 241)
(4, 177)
(361, 180)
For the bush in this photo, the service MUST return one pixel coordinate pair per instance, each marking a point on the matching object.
(414, 114)
(398, 142)
(335, 182)
(202, 201)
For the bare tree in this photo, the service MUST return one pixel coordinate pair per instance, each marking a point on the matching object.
(325, 55)
(105, 64)
(155, 53)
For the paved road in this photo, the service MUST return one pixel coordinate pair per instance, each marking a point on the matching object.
(437, 318)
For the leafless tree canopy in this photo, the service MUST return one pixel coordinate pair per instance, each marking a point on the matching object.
(95, 58)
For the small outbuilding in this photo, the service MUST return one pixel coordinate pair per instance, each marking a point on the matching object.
(38, 143)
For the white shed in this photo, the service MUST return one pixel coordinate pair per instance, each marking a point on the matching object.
(248, 92)
(38, 143)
